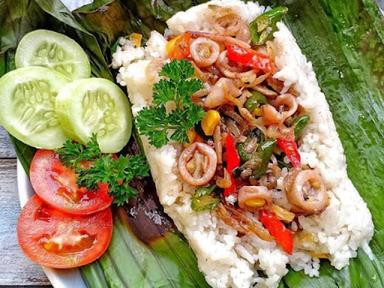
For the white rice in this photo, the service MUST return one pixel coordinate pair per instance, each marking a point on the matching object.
(226, 259)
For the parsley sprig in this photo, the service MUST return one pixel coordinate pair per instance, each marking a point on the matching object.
(73, 153)
(174, 90)
(105, 168)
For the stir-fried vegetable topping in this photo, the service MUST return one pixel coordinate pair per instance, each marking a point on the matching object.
(93, 168)
(240, 127)
(176, 88)
(204, 200)
(263, 27)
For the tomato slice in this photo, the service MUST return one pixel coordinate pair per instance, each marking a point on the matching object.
(56, 185)
(58, 240)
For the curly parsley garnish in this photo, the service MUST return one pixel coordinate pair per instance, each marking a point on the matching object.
(174, 90)
(104, 168)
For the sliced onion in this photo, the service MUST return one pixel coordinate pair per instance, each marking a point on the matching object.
(266, 91)
(276, 84)
(243, 125)
(204, 51)
(257, 81)
(270, 115)
(234, 72)
(188, 154)
(306, 191)
(232, 128)
(248, 117)
(217, 139)
(221, 93)
(279, 131)
(221, 38)
(239, 221)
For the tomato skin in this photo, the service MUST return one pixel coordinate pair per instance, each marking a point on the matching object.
(39, 222)
(56, 185)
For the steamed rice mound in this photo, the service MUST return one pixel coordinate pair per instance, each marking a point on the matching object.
(226, 259)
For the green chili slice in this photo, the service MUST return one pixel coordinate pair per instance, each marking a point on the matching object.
(203, 199)
(263, 27)
(265, 150)
(299, 124)
(255, 101)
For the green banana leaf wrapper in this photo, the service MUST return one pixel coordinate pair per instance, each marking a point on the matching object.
(344, 41)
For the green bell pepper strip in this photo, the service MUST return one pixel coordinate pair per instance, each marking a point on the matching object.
(299, 124)
(265, 149)
(255, 101)
(203, 200)
(244, 156)
(263, 27)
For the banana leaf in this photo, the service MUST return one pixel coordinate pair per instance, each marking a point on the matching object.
(343, 40)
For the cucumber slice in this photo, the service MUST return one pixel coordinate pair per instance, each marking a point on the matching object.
(98, 106)
(53, 50)
(27, 101)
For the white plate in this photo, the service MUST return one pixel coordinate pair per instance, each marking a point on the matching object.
(70, 278)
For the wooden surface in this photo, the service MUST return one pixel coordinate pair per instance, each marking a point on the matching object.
(15, 269)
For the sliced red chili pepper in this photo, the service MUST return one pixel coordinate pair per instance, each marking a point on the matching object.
(289, 147)
(233, 161)
(251, 58)
(239, 55)
(282, 235)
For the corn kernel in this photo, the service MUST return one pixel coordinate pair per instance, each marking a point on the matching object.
(210, 122)
(257, 112)
(255, 203)
(136, 38)
(283, 214)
